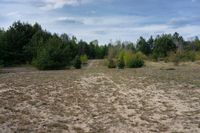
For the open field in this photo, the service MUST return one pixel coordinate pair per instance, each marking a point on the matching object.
(156, 98)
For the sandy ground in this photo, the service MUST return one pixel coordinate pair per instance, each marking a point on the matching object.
(100, 100)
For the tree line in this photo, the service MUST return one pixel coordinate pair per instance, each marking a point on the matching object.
(23, 43)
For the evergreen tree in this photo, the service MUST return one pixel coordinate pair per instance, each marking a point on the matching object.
(77, 62)
(54, 55)
(151, 44)
(163, 45)
(143, 46)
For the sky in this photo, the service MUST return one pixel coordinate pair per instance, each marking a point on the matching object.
(106, 20)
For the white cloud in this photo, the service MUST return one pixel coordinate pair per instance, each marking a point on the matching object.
(107, 21)
(13, 14)
(54, 4)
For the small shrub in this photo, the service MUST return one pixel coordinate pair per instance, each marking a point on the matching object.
(141, 55)
(120, 63)
(84, 59)
(133, 60)
(136, 63)
(111, 63)
(77, 62)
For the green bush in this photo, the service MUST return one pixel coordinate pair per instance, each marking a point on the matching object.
(77, 62)
(133, 60)
(120, 63)
(141, 55)
(111, 63)
(84, 59)
(137, 63)
(54, 55)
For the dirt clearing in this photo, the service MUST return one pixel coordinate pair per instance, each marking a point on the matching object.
(100, 100)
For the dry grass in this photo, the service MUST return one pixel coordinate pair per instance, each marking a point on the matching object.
(96, 99)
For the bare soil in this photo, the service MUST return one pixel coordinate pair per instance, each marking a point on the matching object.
(157, 98)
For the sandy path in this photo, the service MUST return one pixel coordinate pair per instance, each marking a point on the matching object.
(90, 64)
(93, 64)
(141, 109)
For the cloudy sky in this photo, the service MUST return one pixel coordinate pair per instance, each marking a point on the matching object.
(106, 19)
